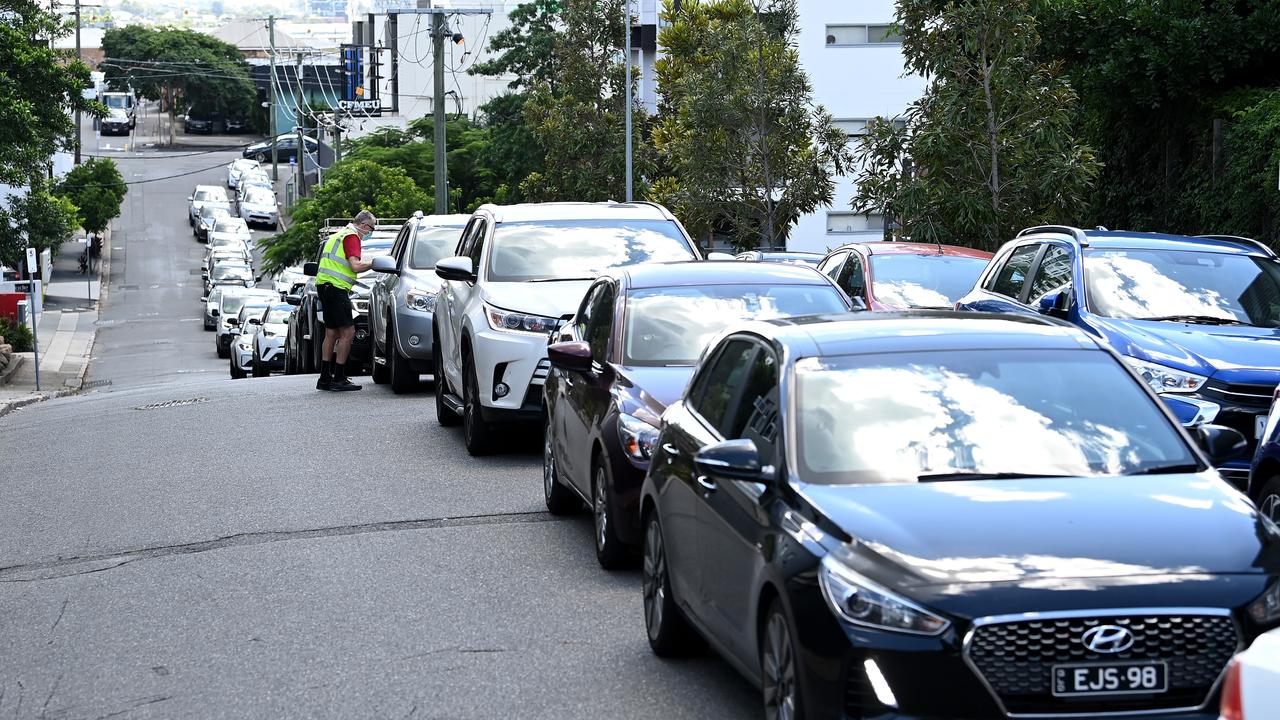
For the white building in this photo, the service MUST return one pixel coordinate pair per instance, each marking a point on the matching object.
(856, 68)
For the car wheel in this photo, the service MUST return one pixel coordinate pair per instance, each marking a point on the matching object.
(223, 353)
(778, 668)
(477, 435)
(611, 553)
(379, 371)
(444, 416)
(669, 633)
(1269, 499)
(560, 499)
(399, 369)
(289, 369)
(236, 372)
(259, 369)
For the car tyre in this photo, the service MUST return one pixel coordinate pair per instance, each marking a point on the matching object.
(236, 372)
(289, 366)
(259, 369)
(223, 353)
(778, 672)
(399, 369)
(445, 416)
(559, 498)
(477, 435)
(611, 553)
(1269, 499)
(379, 372)
(670, 635)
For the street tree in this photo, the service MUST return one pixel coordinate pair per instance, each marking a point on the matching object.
(38, 85)
(179, 67)
(349, 187)
(578, 115)
(97, 189)
(526, 48)
(990, 147)
(37, 218)
(749, 150)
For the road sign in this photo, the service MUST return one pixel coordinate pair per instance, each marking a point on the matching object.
(374, 104)
(31, 261)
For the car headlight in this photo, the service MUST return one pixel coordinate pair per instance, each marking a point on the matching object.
(1266, 609)
(858, 601)
(421, 301)
(637, 437)
(361, 306)
(246, 345)
(1165, 379)
(509, 321)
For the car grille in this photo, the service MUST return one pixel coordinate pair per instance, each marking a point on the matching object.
(541, 372)
(1015, 659)
(859, 698)
(1242, 395)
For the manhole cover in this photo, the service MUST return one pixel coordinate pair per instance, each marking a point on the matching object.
(172, 403)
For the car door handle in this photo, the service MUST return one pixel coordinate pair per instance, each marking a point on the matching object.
(707, 483)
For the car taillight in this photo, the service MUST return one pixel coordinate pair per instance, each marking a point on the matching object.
(1232, 707)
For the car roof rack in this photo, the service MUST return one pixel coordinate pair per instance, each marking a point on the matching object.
(1074, 232)
(1244, 240)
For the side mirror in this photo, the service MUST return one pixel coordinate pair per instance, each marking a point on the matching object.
(733, 459)
(1219, 442)
(204, 298)
(858, 303)
(573, 355)
(1057, 304)
(457, 268)
(190, 198)
(255, 321)
(719, 256)
(294, 300)
(257, 278)
(233, 322)
(214, 313)
(385, 264)
(311, 269)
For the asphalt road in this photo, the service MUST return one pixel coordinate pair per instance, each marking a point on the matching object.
(265, 550)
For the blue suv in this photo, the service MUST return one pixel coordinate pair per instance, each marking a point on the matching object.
(1197, 317)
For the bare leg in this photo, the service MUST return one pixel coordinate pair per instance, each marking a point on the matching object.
(326, 348)
(343, 347)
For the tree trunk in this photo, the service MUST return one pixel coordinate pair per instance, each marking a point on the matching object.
(993, 147)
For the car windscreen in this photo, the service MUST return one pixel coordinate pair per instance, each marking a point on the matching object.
(431, 245)
(210, 195)
(231, 304)
(258, 197)
(1146, 284)
(231, 225)
(215, 211)
(119, 102)
(228, 272)
(923, 280)
(671, 325)
(278, 316)
(904, 417)
(555, 249)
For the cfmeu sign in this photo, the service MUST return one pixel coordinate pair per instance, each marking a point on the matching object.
(369, 106)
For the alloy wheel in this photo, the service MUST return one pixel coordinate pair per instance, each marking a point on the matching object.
(1270, 507)
(548, 466)
(600, 508)
(778, 670)
(654, 572)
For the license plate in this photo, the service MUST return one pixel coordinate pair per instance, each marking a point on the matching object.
(1110, 679)
(1259, 426)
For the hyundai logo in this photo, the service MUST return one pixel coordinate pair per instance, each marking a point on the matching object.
(1108, 639)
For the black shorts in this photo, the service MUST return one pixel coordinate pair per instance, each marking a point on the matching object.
(336, 304)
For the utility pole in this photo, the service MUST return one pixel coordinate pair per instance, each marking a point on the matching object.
(78, 104)
(299, 122)
(437, 106)
(630, 100)
(275, 156)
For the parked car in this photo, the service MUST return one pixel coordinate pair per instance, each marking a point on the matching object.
(224, 246)
(235, 124)
(231, 228)
(289, 281)
(903, 275)
(204, 195)
(117, 122)
(198, 120)
(1252, 687)
(233, 298)
(1264, 473)
(626, 355)
(1195, 317)
(253, 179)
(402, 299)
(257, 205)
(125, 102)
(230, 272)
(286, 148)
(268, 342)
(517, 272)
(775, 256)
(934, 515)
(236, 167)
(209, 214)
(212, 308)
(243, 329)
(301, 343)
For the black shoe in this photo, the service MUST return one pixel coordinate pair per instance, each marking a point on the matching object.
(324, 383)
(342, 385)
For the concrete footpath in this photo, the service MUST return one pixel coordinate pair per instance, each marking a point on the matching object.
(65, 334)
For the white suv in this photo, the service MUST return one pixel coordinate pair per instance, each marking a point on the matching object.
(519, 270)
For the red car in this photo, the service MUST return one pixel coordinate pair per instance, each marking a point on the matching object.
(888, 276)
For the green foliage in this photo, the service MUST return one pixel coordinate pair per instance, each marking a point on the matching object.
(97, 189)
(38, 219)
(748, 149)
(183, 67)
(578, 116)
(991, 143)
(16, 334)
(1153, 76)
(526, 49)
(349, 187)
(512, 152)
(36, 84)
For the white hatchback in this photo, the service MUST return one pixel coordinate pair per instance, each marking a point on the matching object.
(1252, 688)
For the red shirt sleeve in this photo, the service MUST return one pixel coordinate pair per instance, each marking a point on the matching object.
(351, 245)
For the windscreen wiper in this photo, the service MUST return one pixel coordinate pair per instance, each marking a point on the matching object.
(1167, 469)
(563, 279)
(1197, 319)
(971, 475)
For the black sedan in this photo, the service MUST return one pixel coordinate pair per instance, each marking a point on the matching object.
(937, 515)
(626, 355)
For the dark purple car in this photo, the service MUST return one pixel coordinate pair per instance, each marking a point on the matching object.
(626, 355)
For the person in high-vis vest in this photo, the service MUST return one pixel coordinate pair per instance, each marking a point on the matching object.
(340, 262)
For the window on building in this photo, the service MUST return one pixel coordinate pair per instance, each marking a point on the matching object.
(857, 127)
(884, 34)
(850, 222)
